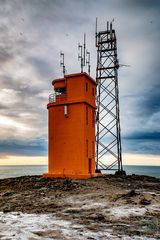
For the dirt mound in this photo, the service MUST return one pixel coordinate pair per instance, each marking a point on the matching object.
(127, 203)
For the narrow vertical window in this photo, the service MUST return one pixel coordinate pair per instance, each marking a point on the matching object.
(92, 91)
(87, 148)
(86, 87)
(87, 115)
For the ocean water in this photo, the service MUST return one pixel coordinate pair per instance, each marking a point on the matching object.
(22, 170)
(153, 171)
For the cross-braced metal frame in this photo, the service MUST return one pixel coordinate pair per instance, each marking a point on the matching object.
(108, 137)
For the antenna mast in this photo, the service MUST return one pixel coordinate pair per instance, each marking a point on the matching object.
(62, 62)
(108, 137)
(84, 50)
(84, 55)
(88, 61)
(80, 56)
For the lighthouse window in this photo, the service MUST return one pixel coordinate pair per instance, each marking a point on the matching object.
(87, 147)
(87, 115)
(92, 91)
(86, 87)
(60, 90)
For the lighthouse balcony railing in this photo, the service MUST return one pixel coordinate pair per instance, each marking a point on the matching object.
(57, 97)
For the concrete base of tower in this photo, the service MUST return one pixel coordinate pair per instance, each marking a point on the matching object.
(74, 176)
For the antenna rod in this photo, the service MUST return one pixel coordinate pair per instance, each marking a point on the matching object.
(84, 55)
(80, 57)
(62, 62)
(111, 30)
(84, 50)
(96, 32)
(107, 30)
(107, 26)
(88, 61)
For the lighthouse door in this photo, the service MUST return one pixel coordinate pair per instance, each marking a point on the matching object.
(89, 165)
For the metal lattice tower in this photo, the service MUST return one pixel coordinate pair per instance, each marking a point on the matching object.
(108, 137)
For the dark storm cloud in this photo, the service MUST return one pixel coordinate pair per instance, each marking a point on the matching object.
(142, 111)
(143, 4)
(32, 34)
(29, 39)
(144, 133)
(141, 146)
(42, 66)
(144, 136)
(151, 102)
(35, 147)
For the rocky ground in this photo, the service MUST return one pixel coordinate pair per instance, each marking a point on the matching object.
(109, 207)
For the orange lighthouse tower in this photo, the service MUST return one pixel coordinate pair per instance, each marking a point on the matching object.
(71, 127)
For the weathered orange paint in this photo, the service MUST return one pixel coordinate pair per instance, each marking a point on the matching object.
(71, 128)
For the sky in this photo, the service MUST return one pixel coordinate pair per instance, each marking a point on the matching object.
(33, 33)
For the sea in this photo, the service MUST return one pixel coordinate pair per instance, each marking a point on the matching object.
(24, 170)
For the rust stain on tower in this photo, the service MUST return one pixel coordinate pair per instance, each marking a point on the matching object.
(71, 127)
